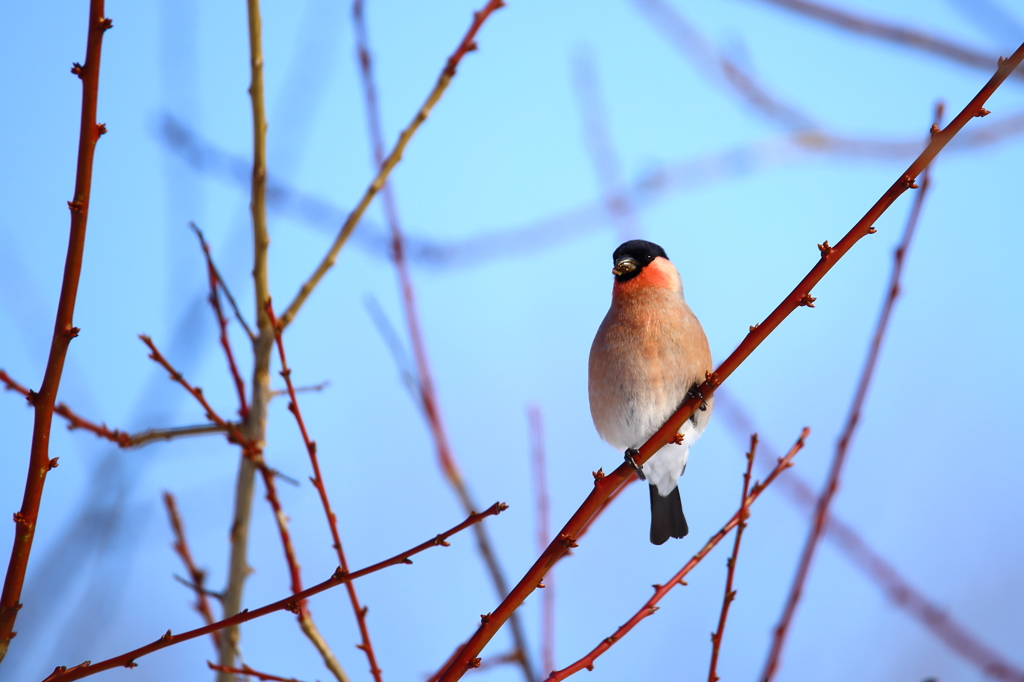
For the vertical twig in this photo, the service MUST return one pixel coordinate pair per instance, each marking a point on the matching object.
(196, 575)
(730, 594)
(318, 482)
(256, 423)
(842, 446)
(540, 489)
(63, 330)
(428, 394)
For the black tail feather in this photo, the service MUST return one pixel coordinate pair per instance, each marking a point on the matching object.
(667, 518)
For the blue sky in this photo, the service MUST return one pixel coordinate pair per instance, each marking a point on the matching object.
(933, 475)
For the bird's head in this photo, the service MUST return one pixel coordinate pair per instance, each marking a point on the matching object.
(640, 264)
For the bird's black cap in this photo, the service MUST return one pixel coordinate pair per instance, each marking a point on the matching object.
(640, 252)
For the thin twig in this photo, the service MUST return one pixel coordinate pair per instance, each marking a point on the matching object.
(730, 594)
(222, 323)
(540, 491)
(223, 285)
(39, 463)
(800, 296)
(891, 33)
(290, 603)
(318, 483)
(842, 446)
(391, 161)
(660, 591)
(897, 588)
(427, 392)
(246, 670)
(197, 575)
(315, 388)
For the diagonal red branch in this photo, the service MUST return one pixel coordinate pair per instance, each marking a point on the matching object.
(607, 485)
(249, 672)
(842, 447)
(63, 330)
(196, 575)
(660, 591)
(540, 488)
(222, 322)
(730, 594)
(318, 483)
(290, 603)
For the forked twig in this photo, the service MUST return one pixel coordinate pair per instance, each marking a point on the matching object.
(195, 574)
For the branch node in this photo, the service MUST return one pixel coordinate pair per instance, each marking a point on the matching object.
(567, 540)
(76, 69)
(982, 112)
(475, 663)
(101, 129)
(53, 463)
(871, 230)
(825, 249)
(807, 300)
(75, 206)
(72, 332)
(908, 182)
(755, 326)
(106, 23)
(598, 475)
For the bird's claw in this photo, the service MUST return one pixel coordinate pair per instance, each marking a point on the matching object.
(695, 393)
(630, 454)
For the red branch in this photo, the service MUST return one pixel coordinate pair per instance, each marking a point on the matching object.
(290, 603)
(604, 487)
(318, 483)
(660, 591)
(427, 391)
(234, 435)
(730, 594)
(540, 488)
(246, 670)
(74, 421)
(842, 447)
(196, 575)
(63, 330)
(222, 322)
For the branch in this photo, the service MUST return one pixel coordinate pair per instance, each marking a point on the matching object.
(290, 603)
(660, 591)
(540, 488)
(222, 284)
(427, 392)
(891, 33)
(318, 483)
(63, 330)
(730, 594)
(246, 670)
(800, 296)
(842, 447)
(391, 161)
(196, 575)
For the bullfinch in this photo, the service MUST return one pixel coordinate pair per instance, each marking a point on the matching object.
(650, 354)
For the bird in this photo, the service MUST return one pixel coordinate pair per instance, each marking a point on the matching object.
(649, 355)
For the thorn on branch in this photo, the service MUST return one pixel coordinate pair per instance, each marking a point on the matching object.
(101, 129)
(106, 23)
(755, 326)
(807, 300)
(825, 249)
(908, 182)
(872, 230)
(982, 113)
(1000, 62)
(31, 397)
(76, 69)
(484, 618)
(72, 332)
(53, 463)
(166, 637)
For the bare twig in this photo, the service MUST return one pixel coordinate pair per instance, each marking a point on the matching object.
(392, 160)
(842, 446)
(730, 594)
(318, 483)
(540, 490)
(891, 33)
(246, 670)
(223, 285)
(800, 296)
(196, 575)
(63, 331)
(427, 393)
(217, 283)
(290, 603)
(660, 591)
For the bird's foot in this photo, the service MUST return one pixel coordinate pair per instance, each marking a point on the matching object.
(630, 454)
(695, 393)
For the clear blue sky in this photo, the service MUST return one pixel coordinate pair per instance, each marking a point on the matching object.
(933, 477)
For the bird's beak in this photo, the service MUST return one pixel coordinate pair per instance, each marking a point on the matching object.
(623, 266)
